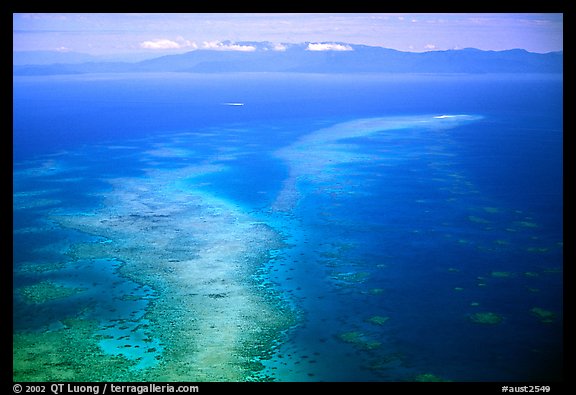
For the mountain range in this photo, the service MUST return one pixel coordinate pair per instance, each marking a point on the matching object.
(302, 58)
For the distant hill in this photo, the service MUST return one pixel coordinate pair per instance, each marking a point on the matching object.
(49, 57)
(312, 58)
(27, 58)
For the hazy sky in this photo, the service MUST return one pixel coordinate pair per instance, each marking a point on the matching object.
(104, 34)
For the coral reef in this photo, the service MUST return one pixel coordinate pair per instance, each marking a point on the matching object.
(543, 315)
(68, 354)
(501, 274)
(359, 340)
(486, 318)
(211, 315)
(351, 277)
(378, 320)
(428, 378)
(46, 291)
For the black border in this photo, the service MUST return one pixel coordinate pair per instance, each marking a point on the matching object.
(549, 6)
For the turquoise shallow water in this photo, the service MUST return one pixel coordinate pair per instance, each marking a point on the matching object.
(410, 252)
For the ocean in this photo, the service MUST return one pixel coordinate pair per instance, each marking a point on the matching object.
(288, 227)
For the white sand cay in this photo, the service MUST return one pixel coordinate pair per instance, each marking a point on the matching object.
(312, 154)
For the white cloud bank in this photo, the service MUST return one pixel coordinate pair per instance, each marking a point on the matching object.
(160, 44)
(227, 46)
(279, 47)
(182, 43)
(328, 47)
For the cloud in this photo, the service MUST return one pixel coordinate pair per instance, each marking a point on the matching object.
(227, 46)
(181, 43)
(160, 44)
(430, 46)
(163, 43)
(328, 47)
(279, 47)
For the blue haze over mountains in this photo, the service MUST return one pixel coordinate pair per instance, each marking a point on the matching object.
(297, 58)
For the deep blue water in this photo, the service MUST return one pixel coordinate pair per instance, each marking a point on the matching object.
(438, 226)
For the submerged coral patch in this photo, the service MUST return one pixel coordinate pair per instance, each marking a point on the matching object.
(538, 249)
(498, 274)
(68, 354)
(359, 340)
(486, 318)
(429, 377)
(543, 315)
(378, 320)
(350, 337)
(46, 291)
(478, 220)
(351, 277)
(527, 224)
